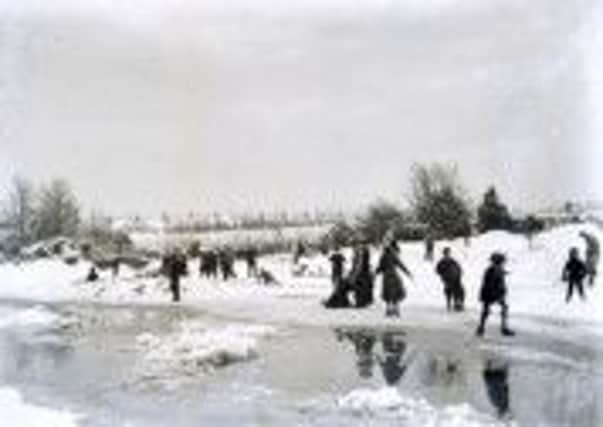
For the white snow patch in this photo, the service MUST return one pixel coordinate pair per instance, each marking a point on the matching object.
(197, 348)
(17, 413)
(388, 402)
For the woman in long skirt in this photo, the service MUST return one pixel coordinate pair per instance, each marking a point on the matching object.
(361, 276)
(393, 289)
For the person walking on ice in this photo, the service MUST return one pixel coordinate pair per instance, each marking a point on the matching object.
(393, 291)
(592, 255)
(494, 291)
(450, 272)
(574, 272)
(175, 266)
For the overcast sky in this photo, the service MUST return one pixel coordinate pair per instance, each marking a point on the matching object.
(151, 106)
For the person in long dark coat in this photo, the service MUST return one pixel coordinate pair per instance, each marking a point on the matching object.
(251, 259)
(494, 291)
(574, 272)
(362, 277)
(226, 261)
(393, 289)
(339, 298)
(592, 255)
(451, 273)
(337, 261)
(175, 267)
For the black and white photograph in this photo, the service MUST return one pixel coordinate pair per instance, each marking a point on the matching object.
(309, 213)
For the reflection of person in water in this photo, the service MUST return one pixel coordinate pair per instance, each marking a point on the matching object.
(364, 342)
(497, 386)
(393, 347)
(391, 364)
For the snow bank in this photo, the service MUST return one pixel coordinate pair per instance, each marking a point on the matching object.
(37, 317)
(389, 403)
(197, 348)
(17, 413)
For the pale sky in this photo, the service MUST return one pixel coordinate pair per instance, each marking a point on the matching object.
(149, 106)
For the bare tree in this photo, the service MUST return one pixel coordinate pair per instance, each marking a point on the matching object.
(18, 209)
(439, 201)
(58, 213)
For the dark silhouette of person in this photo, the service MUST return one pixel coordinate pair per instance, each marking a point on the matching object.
(494, 291)
(92, 275)
(451, 273)
(205, 264)
(391, 364)
(251, 259)
(392, 291)
(574, 272)
(174, 266)
(592, 255)
(337, 261)
(361, 277)
(339, 298)
(429, 247)
(115, 264)
(496, 379)
(227, 260)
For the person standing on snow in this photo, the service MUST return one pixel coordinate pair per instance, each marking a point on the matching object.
(174, 266)
(361, 277)
(592, 255)
(393, 289)
(574, 272)
(251, 259)
(494, 291)
(451, 272)
(227, 260)
(429, 247)
(337, 261)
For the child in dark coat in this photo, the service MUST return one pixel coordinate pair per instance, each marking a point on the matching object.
(494, 291)
(450, 272)
(574, 272)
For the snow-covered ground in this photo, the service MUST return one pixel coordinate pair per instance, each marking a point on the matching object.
(535, 288)
(16, 412)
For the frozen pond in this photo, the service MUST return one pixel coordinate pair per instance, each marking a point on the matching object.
(173, 366)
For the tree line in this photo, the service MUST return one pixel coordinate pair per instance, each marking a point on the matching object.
(437, 207)
(35, 213)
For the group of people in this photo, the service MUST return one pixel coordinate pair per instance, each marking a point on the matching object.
(359, 283)
(214, 263)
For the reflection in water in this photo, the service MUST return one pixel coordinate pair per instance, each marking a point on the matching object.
(496, 376)
(390, 359)
(391, 365)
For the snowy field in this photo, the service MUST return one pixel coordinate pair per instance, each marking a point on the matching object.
(535, 288)
(224, 355)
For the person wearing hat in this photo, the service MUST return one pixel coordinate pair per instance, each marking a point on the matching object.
(494, 291)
